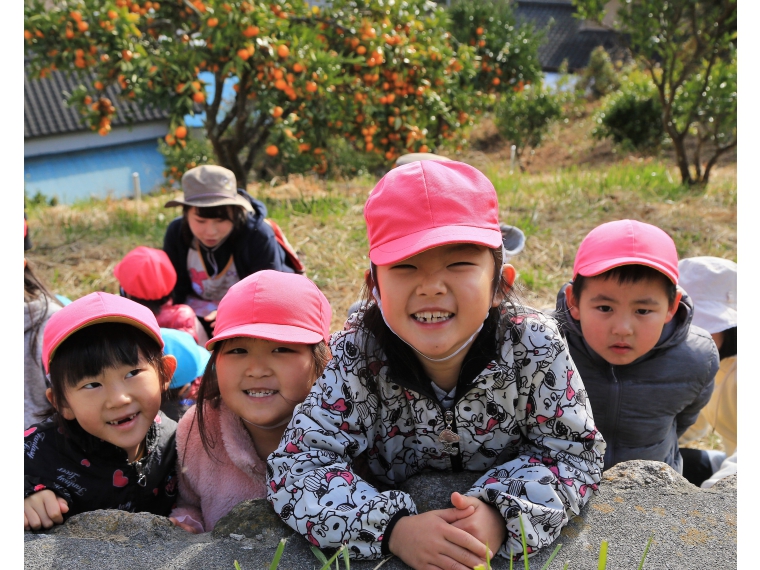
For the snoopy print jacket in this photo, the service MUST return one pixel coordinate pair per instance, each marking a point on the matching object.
(92, 474)
(524, 421)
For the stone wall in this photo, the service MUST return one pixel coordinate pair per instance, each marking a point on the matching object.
(693, 528)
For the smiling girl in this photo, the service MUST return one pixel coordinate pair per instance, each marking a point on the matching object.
(439, 370)
(269, 348)
(108, 446)
(221, 237)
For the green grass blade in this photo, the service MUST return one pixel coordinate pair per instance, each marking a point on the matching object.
(332, 559)
(646, 551)
(278, 554)
(319, 555)
(525, 546)
(346, 559)
(602, 556)
(237, 566)
(549, 561)
(565, 566)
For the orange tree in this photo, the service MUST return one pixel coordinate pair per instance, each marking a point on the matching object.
(389, 77)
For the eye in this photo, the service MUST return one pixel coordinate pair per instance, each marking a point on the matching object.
(90, 385)
(283, 349)
(403, 266)
(133, 373)
(604, 308)
(461, 264)
(643, 311)
(236, 350)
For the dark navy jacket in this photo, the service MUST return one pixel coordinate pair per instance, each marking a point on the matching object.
(253, 249)
(92, 474)
(642, 408)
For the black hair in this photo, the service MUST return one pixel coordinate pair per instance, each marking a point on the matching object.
(728, 347)
(154, 306)
(628, 274)
(401, 357)
(235, 214)
(90, 350)
(209, 394)
(34, 289)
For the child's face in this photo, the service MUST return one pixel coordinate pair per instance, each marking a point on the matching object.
(261, 380)
(437, 299)
(209, 231)
(118, 406)
(622, 321)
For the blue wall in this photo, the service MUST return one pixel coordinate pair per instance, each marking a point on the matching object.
(95, 172)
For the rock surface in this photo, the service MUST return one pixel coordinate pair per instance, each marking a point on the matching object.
(692, 528)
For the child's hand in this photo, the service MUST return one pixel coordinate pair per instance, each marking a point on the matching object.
(44, 509)
(485, 523)
(431, 541)
(184, 526)
(211, 318)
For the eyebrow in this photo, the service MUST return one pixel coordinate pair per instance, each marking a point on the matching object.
(456, 248)
(649, 301)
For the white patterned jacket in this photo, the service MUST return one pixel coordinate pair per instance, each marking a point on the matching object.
(524, 420)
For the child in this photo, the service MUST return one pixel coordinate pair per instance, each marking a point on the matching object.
(147, 276)
(109, 446)
(711, 283)
(191, 362)
(647, 370)
(439, 371)
(221, 237)
(39, 305)
(270, 346)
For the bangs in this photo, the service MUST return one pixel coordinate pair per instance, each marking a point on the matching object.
(214, 212)
(89, 351)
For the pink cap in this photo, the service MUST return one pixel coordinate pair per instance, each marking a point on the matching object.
(626, 242)
(273, 305)
(93, 309)
(146, 273)
(424, 204)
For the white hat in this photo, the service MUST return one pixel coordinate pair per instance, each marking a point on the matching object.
(711, 284)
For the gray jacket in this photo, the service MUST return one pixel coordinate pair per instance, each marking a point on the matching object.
(642, 408)
(35, 400)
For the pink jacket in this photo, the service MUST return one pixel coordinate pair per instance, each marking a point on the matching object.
(209, 489)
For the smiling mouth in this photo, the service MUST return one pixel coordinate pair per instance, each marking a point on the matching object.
(123, 420)
(260, 393)
(432, 317)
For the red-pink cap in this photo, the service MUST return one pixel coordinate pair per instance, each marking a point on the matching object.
(146, 273)
(92, 309)
(284, 307)
(626, 242)
(424, 204)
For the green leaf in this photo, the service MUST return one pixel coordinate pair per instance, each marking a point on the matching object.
(319, 555)
(646, 551)
(278, 554)
(237, 566)
(602, 556)
(525, 546)
(554, 553)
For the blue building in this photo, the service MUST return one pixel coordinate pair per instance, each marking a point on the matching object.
(63, 158)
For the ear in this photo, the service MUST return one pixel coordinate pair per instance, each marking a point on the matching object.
(509, 274)
(572, 303)
(65, 411)
(672, 309)
(169, 363)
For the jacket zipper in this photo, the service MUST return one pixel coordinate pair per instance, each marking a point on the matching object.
(450, 424)
(615, 411)
(142, 480)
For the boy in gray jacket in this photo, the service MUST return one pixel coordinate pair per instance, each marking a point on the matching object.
(648, 372)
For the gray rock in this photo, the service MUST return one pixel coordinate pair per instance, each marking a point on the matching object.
(692, 528)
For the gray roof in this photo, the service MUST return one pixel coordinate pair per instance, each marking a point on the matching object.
(567, 37)
(45, 113)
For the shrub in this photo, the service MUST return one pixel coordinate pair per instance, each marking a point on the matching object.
(524, 116)
(600, 76)
(632, 115)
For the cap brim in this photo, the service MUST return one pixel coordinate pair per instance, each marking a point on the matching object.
(109, 319)
(594, 269)
(277, 333)
(212, 202)
(407, 246)
(713, 316)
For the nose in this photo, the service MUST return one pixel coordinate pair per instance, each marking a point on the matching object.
(258, 368)
(117, 395)
(432, 284)
(622, 326)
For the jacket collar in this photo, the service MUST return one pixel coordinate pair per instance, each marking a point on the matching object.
(238, 443)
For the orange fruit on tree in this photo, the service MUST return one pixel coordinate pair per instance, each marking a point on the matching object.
(243, 54)
(212, 22)
(180, 132)
(496, 81)
(278, 74)
(311, 87)
(126, 55)
(361, 50)
(283, 50)
(251, 31)
(69, 33)
(83, 26)
(169, 138)
(298, 67)
(272, 150)
(479, 31)
(277, 112)
(28, 35)
(424, 148)
(280, 84)
(113, 14)
(199, 97)
(98, 85)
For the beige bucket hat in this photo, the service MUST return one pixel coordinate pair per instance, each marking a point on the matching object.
(210, 185)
